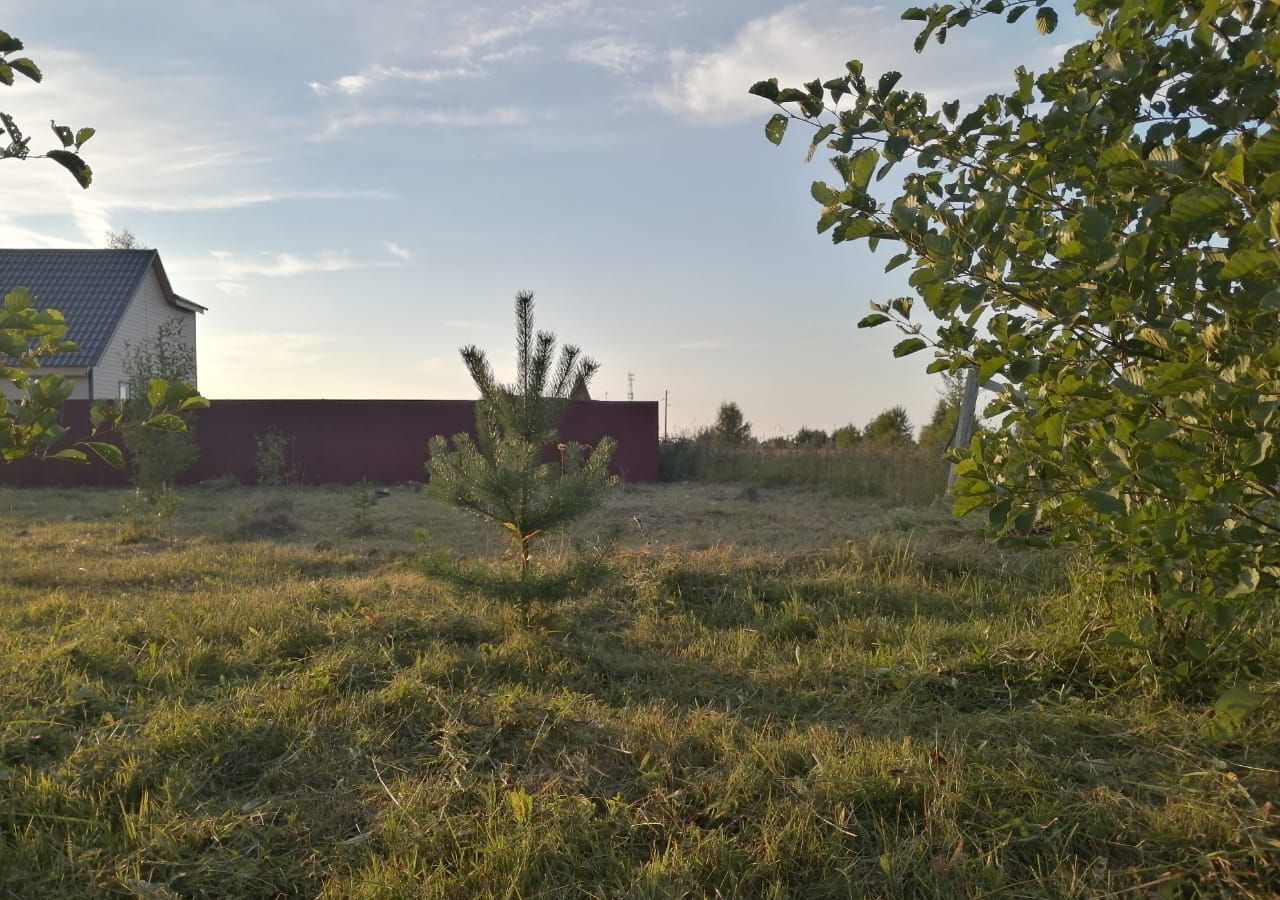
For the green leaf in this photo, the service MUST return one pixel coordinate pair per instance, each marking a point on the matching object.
(915, 14)
(190, 403)
(1157, 430)
(909, 346)
(1234, 169)
(1046, 20)
(1265, 152)
(1199, 205)
(853, 229)
(108, 453)
(1105, 503)
(1246, 584)
(897, 260)
(167, 422)
(157, 391)
(818, 137)
(73, 164)
(83, 135)
(823, 193)
(1055, 429)
(27, 67)
(969, 503)
(887, 82)
(766, 89)
(75, 456)
(991, 367)
(873, 320)
(63, 134)
(1243, 263)
(18, 300)
(1096, 225)
(1230, 711)
(775, 128)
(863, 165)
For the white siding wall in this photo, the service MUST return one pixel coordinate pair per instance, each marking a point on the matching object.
(145, 314)
(80, 381)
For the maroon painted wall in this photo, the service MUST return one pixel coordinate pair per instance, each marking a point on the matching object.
(343, 441)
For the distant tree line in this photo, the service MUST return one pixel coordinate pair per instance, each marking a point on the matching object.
(890, 428)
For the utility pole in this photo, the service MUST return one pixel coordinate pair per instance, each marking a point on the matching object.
(666, 404)
(964, 427)
(631, 385)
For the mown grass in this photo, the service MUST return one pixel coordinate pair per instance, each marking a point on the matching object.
(785, 696)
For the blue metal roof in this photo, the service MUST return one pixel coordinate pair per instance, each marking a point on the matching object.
(91, 288)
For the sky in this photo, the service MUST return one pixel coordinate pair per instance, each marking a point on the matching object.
(356, 190)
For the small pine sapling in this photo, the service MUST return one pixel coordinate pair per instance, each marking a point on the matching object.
(501, 475)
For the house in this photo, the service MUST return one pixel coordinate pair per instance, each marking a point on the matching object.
(111, 299)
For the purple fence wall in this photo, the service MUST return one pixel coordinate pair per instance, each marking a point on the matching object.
(343, 441)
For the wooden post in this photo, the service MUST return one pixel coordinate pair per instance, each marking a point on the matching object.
(964, 427)
(666, 402)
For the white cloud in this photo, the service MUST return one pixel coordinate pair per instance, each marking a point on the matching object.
(228, 271)
(478, 37)
(811, 40)
(398, 252)
(411, 116)
(351, 85)
(164, 144)
(619, 57)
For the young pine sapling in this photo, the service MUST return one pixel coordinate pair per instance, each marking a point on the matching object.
(501, 475)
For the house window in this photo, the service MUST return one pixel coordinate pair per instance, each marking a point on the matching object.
(124, 391)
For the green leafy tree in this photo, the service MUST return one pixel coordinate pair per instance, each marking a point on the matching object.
(810, 437)
(731, 426)
(501, 475)
(1105, 238)
(890, 428)
(846, 436)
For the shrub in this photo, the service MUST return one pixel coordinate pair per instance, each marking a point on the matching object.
(158, 454)
(271, 457)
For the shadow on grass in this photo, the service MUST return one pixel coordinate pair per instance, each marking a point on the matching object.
(545, 586)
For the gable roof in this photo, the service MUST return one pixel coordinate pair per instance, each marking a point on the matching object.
(91, 288)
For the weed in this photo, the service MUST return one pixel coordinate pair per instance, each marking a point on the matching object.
(363, 499)
(149, 514)
(269, 518)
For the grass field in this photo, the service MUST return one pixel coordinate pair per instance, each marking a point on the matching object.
(730, 693)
